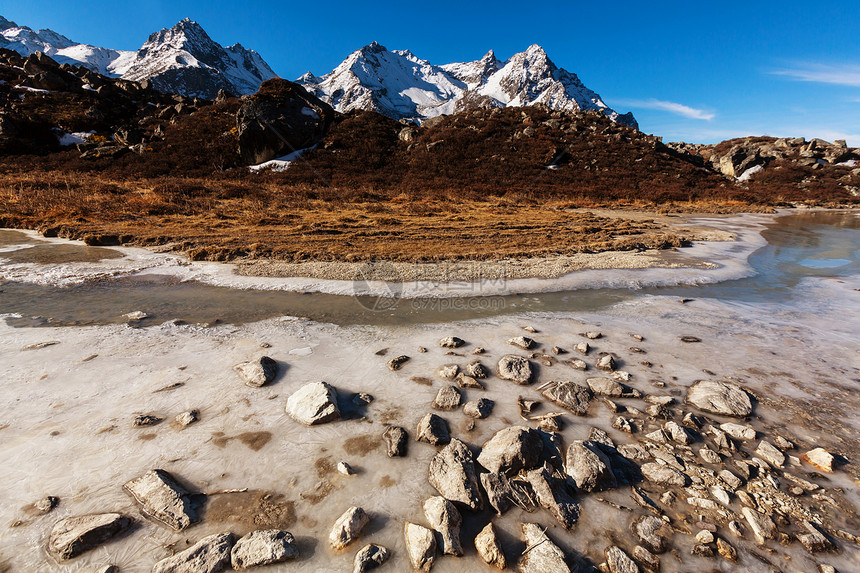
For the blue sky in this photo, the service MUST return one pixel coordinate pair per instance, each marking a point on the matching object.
(698, 72)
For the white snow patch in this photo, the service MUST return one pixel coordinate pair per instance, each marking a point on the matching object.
(745, 176)
(279, 164)
(849, 163)
(310, 113)
(75, 138)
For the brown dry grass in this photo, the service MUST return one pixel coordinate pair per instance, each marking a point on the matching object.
(211, 220)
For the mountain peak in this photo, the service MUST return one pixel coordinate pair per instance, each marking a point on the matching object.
(373, 48)
(6, 24)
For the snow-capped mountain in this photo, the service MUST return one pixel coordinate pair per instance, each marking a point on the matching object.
(401, 85)
(182, 59)
(26, 41)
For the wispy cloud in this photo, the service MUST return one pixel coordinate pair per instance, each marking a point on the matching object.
(670, 106)
(843, 75)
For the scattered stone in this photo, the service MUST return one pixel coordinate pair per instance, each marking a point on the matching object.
(622, 376)
(690, 339)
(396, 363)
(569, 395)
(446, 520)
(143, 420)
(620, 562)
(420, 546)
(531, 329)
(454, 475)
(541, 555)
(314, 403)
(705, 536)
(362, 399)
(41, 345)
(257, 373)
(633, 452)
(186, 418)
(209, 555)
(345, 469)
(822, 568)
(522, 342)
(477, 370)
(479, 350)
(677, 433)
(658, 412)
(448, 398)
(576, 364)
(650, 531)
(783, 444)
(638, 337)
(702, 550)
(451, 342)
(663, 475)
(558, 350)
(449, 372)
(770, 454)
(370, 557)
(348, 527)
(136, 315)
(421, 349)
(819, 458)
(468, 382)
(762, 526)
(605, 387)
(511, 450)
(624, 425)
(46, 504)
(516, 369)
(589, 467)
(606, 362)
(582, 347)
(739, 431)
(725, 549)
(396, 440)
(73, 536)
(490, 548)
(720, 494)
(814, 541)
(593, 335)
(263, 547)
(479, 409)
(646, 558)
(720, 398)
(433, 430)
(498, 490)
(162, 499)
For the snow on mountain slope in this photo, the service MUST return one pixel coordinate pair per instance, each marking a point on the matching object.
(25, 41)
(401, 85)
(184, 59)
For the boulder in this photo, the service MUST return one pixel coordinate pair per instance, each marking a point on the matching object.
(569, 395)
(606, 362)
(314, 403)
(516, 369)
(420, 546)
(739, 431)
(619, 562)
(605, 387)
(281, 118)
(257, 373)
(490, 548)
(454, 475)
(263, 547)
(451, 342)
(479, 409)
(720, 398)
(498, 490)
(348, 527)
(541, 555)
(397, 362)
(433, 430)
(477, 370)
(762, 526)
(552, 495)
(663, 475)
(370, 557)
(448, 398)
(652, 533)
(73, 536)
(523, 342)
(589, 467)
(819, 458)
(162, 499)
(396, 440)
(769, 453)
(511, 450)
(446, 520)
(209, 555)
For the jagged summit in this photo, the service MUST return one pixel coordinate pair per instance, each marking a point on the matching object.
(182, 59)
(403, 86)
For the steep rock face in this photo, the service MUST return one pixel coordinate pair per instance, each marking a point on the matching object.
(401, 85)
(185, 60)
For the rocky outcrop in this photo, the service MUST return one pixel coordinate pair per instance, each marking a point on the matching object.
(209, 555)
(314, 403)
(73, 536)
(263, 547)
(162, 499)
(281, 118)
(454, 475)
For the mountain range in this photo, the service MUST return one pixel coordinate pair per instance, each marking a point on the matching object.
(396, 83)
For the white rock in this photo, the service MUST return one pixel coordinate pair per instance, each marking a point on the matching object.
(490, 548)
(314, 403)
(209, 555)
(446, 520)
(420, 546)
(263, 547)
(348, 527)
